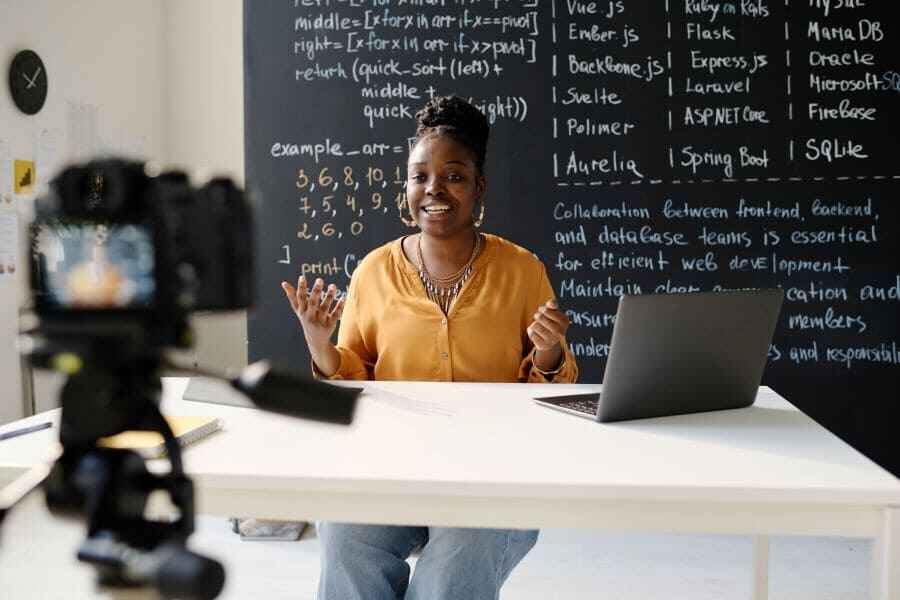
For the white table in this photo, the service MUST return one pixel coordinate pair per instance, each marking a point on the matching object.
(486, 455)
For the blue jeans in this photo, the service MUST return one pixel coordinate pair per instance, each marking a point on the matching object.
(368, 562)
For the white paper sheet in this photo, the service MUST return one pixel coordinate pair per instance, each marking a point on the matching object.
(9, 243)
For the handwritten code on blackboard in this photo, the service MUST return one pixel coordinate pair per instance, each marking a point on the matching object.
(637, 147)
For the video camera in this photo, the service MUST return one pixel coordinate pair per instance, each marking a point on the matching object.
(119, 260)
(127, 252)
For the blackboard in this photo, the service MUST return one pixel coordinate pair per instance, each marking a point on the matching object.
(636, 147)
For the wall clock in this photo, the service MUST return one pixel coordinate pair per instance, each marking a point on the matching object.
(28, 81)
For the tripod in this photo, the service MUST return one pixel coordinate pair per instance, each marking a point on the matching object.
(110, 488)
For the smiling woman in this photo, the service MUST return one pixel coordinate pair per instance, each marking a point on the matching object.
(492, 314)
(448, 303)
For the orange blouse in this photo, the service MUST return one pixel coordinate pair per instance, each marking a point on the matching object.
(391, 330)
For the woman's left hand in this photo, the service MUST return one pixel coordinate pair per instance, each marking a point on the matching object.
(549, 327)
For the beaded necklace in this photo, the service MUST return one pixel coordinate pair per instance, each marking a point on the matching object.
(443, 290)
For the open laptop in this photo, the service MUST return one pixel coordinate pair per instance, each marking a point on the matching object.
(681, 353)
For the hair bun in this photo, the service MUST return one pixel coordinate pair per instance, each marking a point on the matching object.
(457, 118)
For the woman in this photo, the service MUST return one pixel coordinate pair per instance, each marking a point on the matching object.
(448, 303)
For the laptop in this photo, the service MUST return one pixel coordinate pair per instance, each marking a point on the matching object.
(674, 354)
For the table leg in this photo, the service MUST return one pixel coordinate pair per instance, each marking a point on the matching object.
(760, 567)
(886, 557)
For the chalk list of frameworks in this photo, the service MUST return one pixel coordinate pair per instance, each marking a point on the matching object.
(741, 91)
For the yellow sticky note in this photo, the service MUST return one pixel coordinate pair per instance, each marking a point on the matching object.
(24, 177)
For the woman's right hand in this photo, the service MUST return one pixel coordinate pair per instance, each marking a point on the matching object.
(318, 313)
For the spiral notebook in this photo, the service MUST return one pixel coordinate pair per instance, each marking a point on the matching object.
(187, 430)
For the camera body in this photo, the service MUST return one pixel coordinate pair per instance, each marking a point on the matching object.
(116, 252)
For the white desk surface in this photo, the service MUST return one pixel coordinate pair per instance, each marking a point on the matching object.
(445, 453)
(485, 455)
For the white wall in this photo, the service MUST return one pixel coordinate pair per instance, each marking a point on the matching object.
(164, 81)
(205, 131)
(105, 63)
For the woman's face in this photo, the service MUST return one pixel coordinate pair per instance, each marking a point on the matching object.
(442, 186)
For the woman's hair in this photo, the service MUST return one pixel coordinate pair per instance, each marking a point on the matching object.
(454, 117)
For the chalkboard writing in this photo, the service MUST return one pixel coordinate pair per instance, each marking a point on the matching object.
(653, 147)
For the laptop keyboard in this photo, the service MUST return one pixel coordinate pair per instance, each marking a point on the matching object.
(587, 406)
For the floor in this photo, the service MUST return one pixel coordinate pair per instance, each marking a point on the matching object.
(37, 562)
(577, 564)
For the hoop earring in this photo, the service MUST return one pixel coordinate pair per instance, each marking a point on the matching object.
(410, 222)
(477, 222)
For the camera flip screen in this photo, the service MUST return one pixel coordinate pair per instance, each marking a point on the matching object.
(94, 266)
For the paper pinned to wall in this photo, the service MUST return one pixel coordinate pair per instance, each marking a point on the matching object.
(47, 160)
(6, 176)
(83, 137)
(9, 243)
(24, 176)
